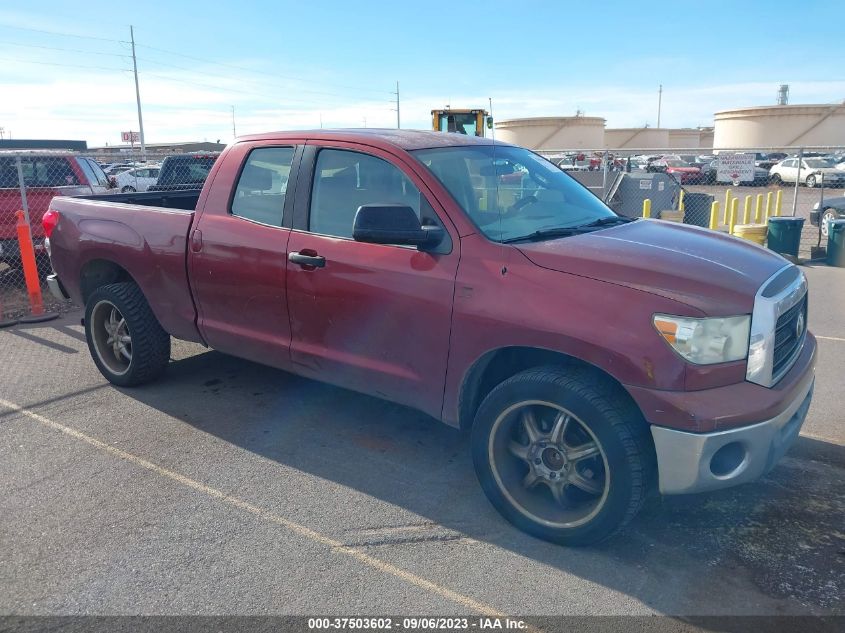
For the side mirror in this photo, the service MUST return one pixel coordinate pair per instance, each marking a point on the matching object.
(393, 224)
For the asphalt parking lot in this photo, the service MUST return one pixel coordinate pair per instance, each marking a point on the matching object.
(231, 488)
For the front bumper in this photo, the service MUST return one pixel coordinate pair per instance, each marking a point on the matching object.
(695, 462)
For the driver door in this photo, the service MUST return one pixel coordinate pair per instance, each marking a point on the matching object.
(374, 318)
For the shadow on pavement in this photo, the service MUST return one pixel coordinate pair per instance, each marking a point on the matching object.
(784, 535)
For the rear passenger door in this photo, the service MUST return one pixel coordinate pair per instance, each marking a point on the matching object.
(370, 317)
(238, 255)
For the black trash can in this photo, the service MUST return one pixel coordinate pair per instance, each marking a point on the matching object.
(697, 208)
(785, 235)
(836, 243)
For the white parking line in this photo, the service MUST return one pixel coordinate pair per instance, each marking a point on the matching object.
(831, 338)
(301, 530)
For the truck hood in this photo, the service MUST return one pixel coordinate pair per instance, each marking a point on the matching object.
(711, 272)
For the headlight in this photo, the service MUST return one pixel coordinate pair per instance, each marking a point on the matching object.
(706, 341)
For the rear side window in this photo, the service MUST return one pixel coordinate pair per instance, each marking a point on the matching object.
(260, 192)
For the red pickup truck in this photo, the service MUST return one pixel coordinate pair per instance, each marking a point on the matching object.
(593, 358)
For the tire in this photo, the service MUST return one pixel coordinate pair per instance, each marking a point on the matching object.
(775, 179)
(128, 189)
(810, 182)
(597, 494)
(829, 214)
(120, 310)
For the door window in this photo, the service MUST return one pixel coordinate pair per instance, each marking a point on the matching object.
(345, 180)
(260, 193)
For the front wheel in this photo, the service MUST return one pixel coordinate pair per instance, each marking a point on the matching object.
(128, 189)
(562, 455)
(810, 182)
(125, 339)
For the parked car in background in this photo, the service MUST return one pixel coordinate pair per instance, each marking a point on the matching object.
(137, 178)
(184, 171)
(811, 172)
(683, 172)
(833, 209)
(46, 174)
(114, 170)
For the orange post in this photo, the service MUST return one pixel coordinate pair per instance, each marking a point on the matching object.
(30, 269)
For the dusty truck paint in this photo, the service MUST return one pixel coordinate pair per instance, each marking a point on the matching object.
(546, 345)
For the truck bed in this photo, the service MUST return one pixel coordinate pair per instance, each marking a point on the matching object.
(185, 199)
(147, 242)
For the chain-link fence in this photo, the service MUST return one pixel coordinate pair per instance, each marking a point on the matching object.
(801, 182)
(28, 182)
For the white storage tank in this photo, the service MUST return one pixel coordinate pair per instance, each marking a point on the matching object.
(780, 126)
(636, 138)
(685, 138)
(551, 133)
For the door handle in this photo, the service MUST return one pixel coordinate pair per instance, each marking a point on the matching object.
(307, 259)
(196, 241)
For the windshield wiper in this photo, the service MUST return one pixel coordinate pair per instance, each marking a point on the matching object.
(542, 234)
(565, 231)
(613, 219)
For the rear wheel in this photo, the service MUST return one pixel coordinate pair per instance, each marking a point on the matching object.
(128, 189)
(561, 455)
(775, 179)
(125, 339)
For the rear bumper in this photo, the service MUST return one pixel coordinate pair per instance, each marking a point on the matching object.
(56, 288)
(695, 462)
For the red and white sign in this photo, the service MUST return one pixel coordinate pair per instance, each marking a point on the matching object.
(130, 137)
(736, 168)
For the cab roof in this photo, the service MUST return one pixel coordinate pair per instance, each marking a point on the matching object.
(386, 137)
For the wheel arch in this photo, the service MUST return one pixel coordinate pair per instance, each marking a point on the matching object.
(497, 365)
(96, 273)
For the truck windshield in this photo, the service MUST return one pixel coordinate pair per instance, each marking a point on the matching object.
(511, 192)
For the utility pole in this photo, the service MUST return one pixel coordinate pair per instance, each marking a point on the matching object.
(492, 129)
(659, 104)
(398, 120)
(138, 95)
(234, 133)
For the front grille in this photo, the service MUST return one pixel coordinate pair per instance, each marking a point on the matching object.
(787, 338)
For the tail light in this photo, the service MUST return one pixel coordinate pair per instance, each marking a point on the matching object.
(49, 221)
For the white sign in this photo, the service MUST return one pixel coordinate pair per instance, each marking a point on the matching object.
(645, 184)
(732, 167)
(130, 137)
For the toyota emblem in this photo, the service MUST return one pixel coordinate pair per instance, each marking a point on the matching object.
(799, 325)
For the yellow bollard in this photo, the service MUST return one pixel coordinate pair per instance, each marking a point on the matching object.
(714, 215)
(681, 201)
(769, 206)
(728, 194)
(746, 214)
(647, 208)
(778, 200)
(758, 211)
(734, 214)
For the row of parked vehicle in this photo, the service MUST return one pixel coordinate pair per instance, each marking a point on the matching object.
(773, 168)
(47, 174)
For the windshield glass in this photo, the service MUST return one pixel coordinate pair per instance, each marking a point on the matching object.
(514, 194)
(676, 163)
(817, 163)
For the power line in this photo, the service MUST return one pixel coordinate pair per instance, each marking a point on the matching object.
(258, 72)
(225, 78)
(60, 34)
(26, 61)
(67, 50)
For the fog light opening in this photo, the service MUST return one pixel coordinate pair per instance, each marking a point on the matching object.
(727, 460)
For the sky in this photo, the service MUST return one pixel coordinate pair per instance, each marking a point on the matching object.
(65, 68)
